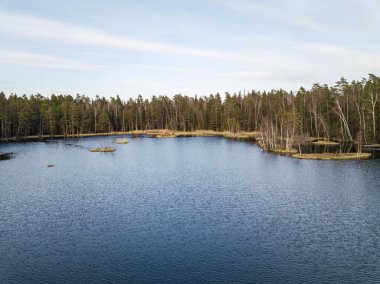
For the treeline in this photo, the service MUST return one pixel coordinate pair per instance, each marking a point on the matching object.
(346, 111)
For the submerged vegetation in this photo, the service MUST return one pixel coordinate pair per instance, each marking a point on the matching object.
(6, 156)
(282, 121)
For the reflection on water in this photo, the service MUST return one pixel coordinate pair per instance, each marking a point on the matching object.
(189, 210)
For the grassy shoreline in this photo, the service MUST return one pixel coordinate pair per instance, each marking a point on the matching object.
(333, 156)
(61, 136)
(159, 133)
(204, 133)
(248, 136)
(325, 143)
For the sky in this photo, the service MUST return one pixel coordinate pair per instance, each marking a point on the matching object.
(197, 47)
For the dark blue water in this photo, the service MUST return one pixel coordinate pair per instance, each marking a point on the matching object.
(186, 210)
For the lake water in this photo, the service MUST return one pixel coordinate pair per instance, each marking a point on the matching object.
(185, 210)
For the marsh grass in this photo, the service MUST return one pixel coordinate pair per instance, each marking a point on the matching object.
(159, 133)
(285, 151)
(122, 141)
(204, 133)
(333, 156)
(325, 143)
(372, 146)
(103, 149)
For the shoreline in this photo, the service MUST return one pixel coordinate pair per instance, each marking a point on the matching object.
(242, 136)
(157, 133)
(333, 156)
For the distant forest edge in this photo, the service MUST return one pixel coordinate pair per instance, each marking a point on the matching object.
(345, 112)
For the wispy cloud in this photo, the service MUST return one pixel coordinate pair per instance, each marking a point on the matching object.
(195, 47)
(38, 28)
(335, 18)
(41, 60)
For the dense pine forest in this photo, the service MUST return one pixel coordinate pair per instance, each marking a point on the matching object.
(344, 112)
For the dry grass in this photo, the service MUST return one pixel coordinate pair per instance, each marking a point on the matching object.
(198, 133)
(333, 156)
(285, 151)
(42, 137)
(372, 146)
(103, 149)
(325, 143)
(166, 136)
(122, 141)
(162, 133)
(203, 133)
(239, 136)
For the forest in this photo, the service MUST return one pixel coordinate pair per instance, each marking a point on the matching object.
(343, 112)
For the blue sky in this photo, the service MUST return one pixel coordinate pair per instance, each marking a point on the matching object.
(127, 48)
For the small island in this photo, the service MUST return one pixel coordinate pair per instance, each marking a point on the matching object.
(122, 141)
(103, 149)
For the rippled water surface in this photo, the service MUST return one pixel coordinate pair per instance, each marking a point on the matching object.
(186, 210)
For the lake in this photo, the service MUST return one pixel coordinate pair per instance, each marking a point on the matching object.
(184, 210)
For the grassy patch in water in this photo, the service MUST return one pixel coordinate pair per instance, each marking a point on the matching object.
(333, 156)
(103, 149)
(122, 141)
